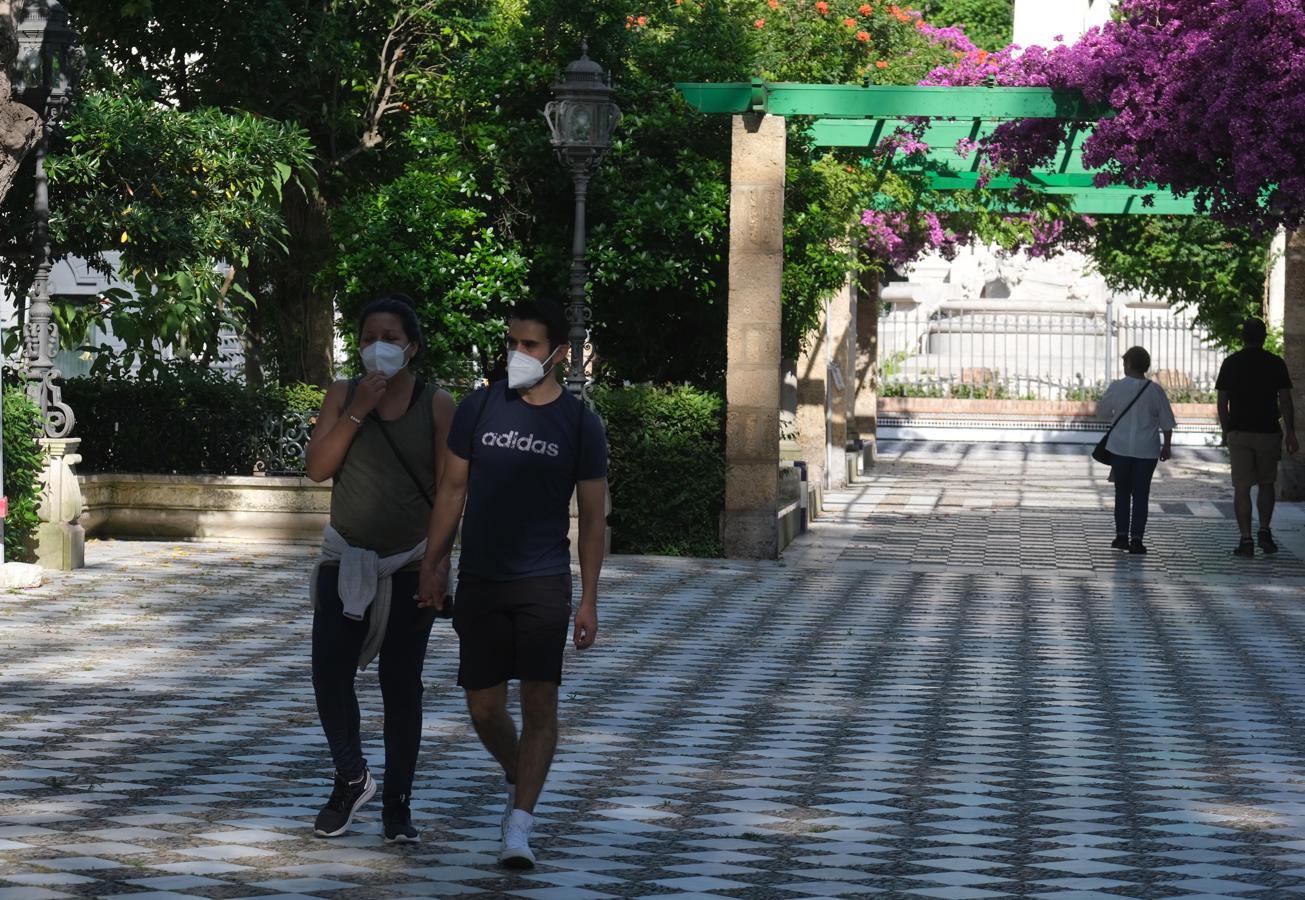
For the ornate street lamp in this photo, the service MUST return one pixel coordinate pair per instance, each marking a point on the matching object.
(581, 118)
(44, 77)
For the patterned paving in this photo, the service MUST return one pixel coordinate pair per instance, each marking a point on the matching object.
(948, 689)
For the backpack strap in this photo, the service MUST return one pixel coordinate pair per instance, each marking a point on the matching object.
(480, 414)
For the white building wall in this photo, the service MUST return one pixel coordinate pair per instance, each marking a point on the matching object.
(1042, 21)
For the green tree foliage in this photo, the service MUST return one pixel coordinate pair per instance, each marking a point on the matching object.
(1215, 270)
(186, 198)
(347, 72)
(424, 234)
(23, 462)
(989, 24)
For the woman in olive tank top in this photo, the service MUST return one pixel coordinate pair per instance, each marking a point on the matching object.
(382, 439)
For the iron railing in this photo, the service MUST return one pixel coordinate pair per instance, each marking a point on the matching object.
(283, 443)
(965, 351)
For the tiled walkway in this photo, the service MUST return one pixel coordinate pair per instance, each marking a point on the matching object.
(951, 688)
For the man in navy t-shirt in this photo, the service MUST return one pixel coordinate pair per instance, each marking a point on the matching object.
(519, 449)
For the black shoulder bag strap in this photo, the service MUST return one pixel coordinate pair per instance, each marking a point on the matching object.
(417, 390)
(1120, 417)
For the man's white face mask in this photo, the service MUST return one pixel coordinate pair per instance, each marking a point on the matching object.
(524, 371)
(384, 357)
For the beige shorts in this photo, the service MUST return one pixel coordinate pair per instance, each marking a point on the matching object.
(1254, 456)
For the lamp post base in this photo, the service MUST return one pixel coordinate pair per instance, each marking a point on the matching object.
(60, 538)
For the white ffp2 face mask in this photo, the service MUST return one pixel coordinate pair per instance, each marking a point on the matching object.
(524, 371)
(384, 357)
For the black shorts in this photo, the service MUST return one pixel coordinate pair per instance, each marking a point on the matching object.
(511, 629)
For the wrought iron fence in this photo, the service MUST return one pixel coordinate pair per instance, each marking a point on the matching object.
(283, 443)
(968, 352)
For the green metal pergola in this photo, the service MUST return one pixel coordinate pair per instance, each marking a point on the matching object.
(851, 116)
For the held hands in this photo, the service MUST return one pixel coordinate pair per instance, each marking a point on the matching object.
(432, 583)
(369, 392)
(586, 624)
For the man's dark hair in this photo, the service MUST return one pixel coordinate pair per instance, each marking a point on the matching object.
(1254, 332)
(546, 313)
(1137, 359)
(399, 305)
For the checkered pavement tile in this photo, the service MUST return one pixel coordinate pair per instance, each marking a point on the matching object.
(949, 688)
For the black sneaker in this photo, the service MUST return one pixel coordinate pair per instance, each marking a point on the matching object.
(1266, 542)
(347, 796)
(1136, 546)
(1120, 543)
(396, 819)
(1246, 548)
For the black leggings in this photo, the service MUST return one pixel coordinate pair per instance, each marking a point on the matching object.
(1132, 489)
(336, 643)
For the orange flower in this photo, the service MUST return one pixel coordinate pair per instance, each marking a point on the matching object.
(881, 65)
(982, 56)
(773, 4)
(643, 20)
(863, 36)
(919, 23)
(822, 7)
(760, 23)
(629, 21)
(850, 23)
(866, 9)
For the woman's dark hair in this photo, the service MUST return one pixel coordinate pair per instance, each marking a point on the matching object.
(546, 313)
(399, 305)
(1137, 359)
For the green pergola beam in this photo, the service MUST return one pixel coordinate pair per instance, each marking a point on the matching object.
(830, 132)
(1094, 202)
(942, 138)
(881, 101)
(1044, 181)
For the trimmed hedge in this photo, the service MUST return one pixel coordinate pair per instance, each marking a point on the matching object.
(667, 446)
(667, 468)
(183, 423)
(23, 463)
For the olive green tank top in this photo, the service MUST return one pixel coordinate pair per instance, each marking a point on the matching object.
(374, 503)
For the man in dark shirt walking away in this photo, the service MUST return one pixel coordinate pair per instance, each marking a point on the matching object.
(1254, 392)
(519, 448)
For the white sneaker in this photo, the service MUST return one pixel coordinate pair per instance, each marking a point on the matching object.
(516, 853)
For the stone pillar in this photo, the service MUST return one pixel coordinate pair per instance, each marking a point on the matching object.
(1275, 285)
(756, 266)
(1291, 474)
(842, 338)
(812, 412)
(865, 400)
(60, 538)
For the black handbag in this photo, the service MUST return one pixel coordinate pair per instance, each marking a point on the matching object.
(1099, 452)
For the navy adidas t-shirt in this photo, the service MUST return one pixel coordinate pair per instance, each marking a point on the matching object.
(525, 461)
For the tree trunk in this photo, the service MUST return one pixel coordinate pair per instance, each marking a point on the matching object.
(19, 124)
(294, 322)
(1291, 475)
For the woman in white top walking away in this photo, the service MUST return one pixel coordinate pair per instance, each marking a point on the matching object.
(1135, 444)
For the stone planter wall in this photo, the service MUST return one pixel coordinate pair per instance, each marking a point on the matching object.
(205, 506)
